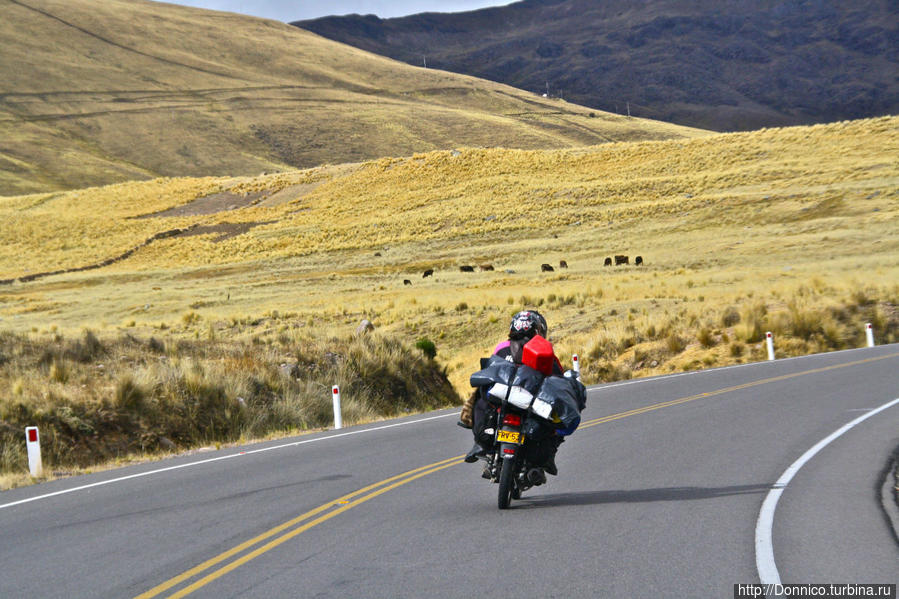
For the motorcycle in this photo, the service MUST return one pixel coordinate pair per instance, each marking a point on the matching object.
(511, 463)
(529, 412)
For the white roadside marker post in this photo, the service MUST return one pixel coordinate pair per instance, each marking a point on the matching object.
(338, 423)
(33, 444)
(769, 339)
(576, 366)
(869, 333)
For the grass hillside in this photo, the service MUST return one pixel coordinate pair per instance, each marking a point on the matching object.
(217, 288)
(718, 64)
(100, 92)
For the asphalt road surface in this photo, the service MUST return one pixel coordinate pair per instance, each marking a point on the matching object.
(658, 495)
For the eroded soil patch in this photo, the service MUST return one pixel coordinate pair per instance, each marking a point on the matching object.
(225, 230)
(211, 204)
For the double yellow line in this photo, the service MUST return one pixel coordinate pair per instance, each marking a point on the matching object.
(244, 552)
(290, 529)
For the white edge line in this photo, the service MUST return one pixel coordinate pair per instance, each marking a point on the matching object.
(224, 457)
(764, 549)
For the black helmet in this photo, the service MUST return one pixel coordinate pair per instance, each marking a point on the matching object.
(526, 324)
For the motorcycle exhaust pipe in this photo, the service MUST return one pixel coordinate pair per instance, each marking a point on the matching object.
(536, 476)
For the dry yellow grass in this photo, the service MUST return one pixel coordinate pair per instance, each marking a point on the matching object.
(727, 220)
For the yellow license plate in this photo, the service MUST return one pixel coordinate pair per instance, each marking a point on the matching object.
(508, 437)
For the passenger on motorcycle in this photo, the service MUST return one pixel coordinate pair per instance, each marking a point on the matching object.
(476, 411)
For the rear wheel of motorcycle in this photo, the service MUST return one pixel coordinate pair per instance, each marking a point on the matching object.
(506, 483)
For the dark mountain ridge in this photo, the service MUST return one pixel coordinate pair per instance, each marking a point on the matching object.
(722, 64)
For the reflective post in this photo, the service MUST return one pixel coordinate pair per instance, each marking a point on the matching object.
(33, 444)
(338, 423)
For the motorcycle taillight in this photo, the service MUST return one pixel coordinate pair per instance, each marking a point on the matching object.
(512, 419)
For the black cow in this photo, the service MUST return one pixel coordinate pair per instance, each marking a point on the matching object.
(621, 259)
(466, 268)
(638, 261)
(407, 282)
(563, 264)
(608, 262)
(547, 268)
(428, 273)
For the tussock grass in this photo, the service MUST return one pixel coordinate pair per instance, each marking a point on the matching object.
(128, 395)
(788, 230)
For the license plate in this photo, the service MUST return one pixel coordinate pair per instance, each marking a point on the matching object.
(508, 437)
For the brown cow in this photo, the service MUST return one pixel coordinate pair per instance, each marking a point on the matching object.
(621, 259)
(466, 268)
(428, 273)
(608, 262)
(638, 261)
(486, 267)
(547, 268)
(563, 264)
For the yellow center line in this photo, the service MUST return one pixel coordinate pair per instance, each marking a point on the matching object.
(674, 402)
(281, 527)
(346, 502)
(286, 537)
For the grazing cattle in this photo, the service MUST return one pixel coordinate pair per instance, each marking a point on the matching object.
(466, 268)
(620, 259)
(407, 282)
(607, 262)
(486, 267)
(377, 253)
(547, 268)
(428, 273)
(563, 264)
(638, 261)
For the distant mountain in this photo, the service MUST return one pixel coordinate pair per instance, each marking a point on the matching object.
(717, 64)
(101, 92)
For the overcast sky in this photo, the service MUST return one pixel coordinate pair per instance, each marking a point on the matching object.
(298, 10)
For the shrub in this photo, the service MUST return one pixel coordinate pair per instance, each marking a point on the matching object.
(674, 343)
(605, 371)
(752, 328)
(803, 323)
(862, 297)
(87, 350)
(128, 395)
(427, 347)
(705, 337)
(730, 317)
(59, 373)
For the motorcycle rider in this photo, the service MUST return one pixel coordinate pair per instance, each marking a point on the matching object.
(524, 326)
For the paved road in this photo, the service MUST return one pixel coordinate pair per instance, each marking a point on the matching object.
(658, 496)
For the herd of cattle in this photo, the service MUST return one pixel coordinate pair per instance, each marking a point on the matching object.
(618, 261)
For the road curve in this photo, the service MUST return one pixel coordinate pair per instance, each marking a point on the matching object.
(658, 495)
